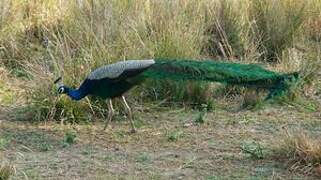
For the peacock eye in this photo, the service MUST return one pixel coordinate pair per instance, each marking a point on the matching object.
(61, 90)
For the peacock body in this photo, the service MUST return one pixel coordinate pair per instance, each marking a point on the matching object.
(114, 80)
(111, 81)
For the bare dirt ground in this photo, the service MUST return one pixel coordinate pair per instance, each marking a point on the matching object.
(169, 144)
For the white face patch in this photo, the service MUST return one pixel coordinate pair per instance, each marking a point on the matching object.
(114, 70)
(61, 90)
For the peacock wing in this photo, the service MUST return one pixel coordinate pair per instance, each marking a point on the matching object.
(120, 70)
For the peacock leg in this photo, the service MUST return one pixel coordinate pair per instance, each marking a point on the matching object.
(130, 114)
(110, 112)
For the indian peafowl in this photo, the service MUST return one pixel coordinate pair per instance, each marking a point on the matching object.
(111, 81)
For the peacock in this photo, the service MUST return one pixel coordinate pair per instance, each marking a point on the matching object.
(113, 80)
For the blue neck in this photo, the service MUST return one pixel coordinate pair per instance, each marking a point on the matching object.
(75, 94)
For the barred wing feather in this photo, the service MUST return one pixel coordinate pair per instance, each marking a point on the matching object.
(115, 70)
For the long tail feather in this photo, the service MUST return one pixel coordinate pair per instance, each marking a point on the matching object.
(248, 75)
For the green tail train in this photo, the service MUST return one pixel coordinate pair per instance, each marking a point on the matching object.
(247, 75)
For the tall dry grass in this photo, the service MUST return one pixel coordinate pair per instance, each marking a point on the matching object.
(301, 152)
(41, 40)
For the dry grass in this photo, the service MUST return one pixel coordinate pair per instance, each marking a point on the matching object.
(5, 172)
(41, 41)
(169, 144)
(278, 25)
(302, 151)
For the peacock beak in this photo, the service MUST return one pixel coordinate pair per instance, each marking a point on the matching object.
(58, 82)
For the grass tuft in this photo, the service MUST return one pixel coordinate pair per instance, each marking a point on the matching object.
(143, 158)
(254, 149)
(175, 135)
(277, 25)
(200, 118)
(5, 172)
(69, 138)
(4, 142)
(302, 151)
(227, 32)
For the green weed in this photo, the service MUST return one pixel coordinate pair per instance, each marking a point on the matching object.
(32, 174)
(87, 150)
(45, 147)
(143, 158)
(254, 149)
(69, 138)
(200, 118)
(4, 142)
(175, 135)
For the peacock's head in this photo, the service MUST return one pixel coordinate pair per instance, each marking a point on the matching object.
(61, 88)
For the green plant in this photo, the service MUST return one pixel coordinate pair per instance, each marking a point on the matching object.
(32, 174)
(175, 135)
(69, 138)
(87, 150)
(3, 143)
(45, 147)
(143, 158)
(254, 149)
(200, 118)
